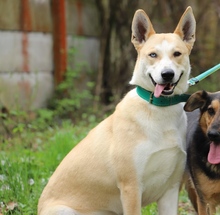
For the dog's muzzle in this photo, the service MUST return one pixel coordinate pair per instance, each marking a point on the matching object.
(167, 86)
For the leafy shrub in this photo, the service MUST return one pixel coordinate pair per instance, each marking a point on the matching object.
(71, 99)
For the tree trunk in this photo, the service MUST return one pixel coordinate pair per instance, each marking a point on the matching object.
(117, 54)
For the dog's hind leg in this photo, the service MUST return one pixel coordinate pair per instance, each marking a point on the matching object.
(210, 209)
(168, 203)
(191, 191)
(206, 208)
(58, 210)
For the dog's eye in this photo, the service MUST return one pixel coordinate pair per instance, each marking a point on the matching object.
(211, 111)
(176, 54)
(153, 55)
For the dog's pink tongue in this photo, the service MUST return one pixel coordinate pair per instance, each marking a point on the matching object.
(214, 154)
(159, 89)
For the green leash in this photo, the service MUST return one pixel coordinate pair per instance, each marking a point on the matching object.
(202, 76)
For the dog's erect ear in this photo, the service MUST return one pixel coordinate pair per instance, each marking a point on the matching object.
(196, 100)
(186, 28)
(141, 28)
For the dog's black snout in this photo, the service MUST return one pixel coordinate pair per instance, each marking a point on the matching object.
(167, 74)
(214, 135)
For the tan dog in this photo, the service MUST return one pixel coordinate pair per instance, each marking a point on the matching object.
(137, 155)
(203, 157)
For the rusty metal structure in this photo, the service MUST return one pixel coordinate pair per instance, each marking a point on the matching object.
(35, 36)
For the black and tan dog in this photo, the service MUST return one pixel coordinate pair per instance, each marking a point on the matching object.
(203, 157)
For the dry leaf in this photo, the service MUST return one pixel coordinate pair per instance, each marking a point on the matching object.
(11, 206)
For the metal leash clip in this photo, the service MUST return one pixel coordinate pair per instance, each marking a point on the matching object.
(202, 76)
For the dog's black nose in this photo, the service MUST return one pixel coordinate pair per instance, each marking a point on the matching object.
(214, 135)
(167, 74)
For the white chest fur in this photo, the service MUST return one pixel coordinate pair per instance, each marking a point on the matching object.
(158, 170)
(160, 159)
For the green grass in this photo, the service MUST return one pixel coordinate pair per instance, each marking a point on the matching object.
(24, 171)
(26, 163)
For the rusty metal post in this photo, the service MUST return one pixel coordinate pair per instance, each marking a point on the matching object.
(25, 27)
(59, 39)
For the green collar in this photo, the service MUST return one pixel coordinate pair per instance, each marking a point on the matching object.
(162, 101)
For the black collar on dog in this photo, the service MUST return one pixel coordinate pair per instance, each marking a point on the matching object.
(162, 101)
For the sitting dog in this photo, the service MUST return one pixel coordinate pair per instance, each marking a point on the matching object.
(137, 155)
(203, 153)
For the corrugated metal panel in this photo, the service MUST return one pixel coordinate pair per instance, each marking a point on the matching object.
(12, 12)
(37, 59)
(82, 18)
(41, 16)
(10, 15)
(26, 64)
(25, 91)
